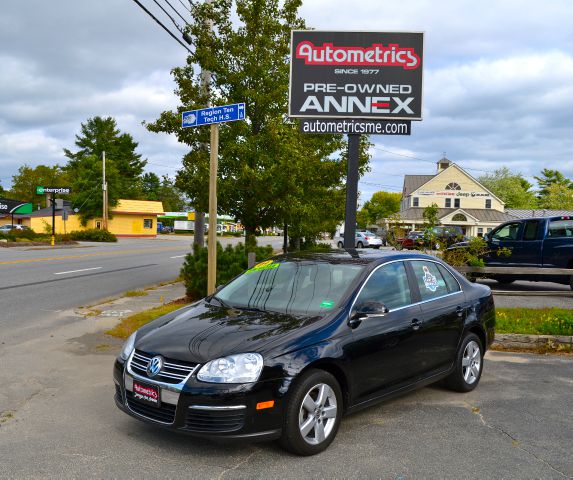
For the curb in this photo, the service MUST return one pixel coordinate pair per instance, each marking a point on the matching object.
(516, 340)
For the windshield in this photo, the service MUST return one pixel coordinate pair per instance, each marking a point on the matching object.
(300, 288)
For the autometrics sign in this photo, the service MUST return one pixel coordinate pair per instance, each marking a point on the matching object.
(356, 75)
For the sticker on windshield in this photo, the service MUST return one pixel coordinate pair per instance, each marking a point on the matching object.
(267, 265)
(430, 280)
(327, 304)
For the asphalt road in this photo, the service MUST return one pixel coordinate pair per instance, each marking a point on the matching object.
(38, 283)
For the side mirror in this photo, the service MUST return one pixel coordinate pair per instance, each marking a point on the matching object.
(370, 309)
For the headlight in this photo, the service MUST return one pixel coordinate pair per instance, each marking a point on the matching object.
(242, 368)
(128, 346)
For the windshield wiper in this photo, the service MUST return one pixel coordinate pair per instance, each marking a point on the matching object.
(221, 302)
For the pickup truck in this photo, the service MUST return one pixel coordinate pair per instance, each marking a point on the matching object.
(533, 242)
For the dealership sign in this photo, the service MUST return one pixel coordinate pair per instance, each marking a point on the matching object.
(369, 75)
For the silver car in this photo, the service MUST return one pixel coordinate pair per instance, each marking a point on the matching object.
(363, 239)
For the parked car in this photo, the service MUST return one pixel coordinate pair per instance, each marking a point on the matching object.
(413, 240)
(362, 239)
(533, 242)
(440, 236)
(288, 347)
(8, 227)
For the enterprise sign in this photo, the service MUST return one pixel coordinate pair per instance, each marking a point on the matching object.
(373, 75)
(44, 190)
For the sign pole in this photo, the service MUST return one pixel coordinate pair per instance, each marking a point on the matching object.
(53, 200)
(351, 190)
(212, 239)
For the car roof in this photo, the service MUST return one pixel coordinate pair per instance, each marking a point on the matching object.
(354, 256)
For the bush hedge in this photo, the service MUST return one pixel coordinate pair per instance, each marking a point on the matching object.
(92, 235)
(231, 261)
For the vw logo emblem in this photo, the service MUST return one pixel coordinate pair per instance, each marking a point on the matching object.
(154, 366)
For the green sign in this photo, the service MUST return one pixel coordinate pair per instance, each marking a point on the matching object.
(60, 190)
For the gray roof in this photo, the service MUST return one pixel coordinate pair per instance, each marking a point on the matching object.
(482, 214)
(412, 182)
(518, 213)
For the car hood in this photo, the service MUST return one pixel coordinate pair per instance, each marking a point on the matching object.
(204, 332)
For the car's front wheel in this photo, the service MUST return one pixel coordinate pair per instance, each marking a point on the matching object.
(469, 365)
(313, 413)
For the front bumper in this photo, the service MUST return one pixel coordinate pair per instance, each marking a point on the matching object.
(224, 411)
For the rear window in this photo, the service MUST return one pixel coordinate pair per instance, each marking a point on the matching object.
(561, 228)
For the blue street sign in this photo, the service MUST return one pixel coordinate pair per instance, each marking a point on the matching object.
(211, 115)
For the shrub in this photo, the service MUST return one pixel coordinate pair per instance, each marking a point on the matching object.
(231, 261)
(14, 234)
(93, 235)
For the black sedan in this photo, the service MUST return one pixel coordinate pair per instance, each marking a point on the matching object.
(288, 347)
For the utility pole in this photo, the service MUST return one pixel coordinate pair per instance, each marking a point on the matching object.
(104, 188)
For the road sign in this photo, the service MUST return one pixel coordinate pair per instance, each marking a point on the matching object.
(213, 115)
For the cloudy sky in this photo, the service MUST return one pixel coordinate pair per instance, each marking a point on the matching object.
(498, 81)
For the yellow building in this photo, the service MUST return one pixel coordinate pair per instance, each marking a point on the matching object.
(129, 218)
(461, 200)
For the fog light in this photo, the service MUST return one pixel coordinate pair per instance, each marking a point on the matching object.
(263, 405)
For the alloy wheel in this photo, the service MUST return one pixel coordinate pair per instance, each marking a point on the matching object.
(471, 362)
(317, 415)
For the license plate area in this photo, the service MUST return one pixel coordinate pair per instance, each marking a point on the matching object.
(146, 394)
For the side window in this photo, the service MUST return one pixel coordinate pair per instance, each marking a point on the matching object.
(431, 283)
(530, 230)
(451, 282)
(507, 232)
(388, 285)
(561, 228)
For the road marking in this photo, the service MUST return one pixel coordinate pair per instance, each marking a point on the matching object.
(75, 271)
(178, 256)
(85, 255)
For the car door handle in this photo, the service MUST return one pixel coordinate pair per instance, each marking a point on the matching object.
(416, 324)
(459, 311)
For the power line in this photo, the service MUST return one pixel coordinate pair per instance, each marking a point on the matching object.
(176, 11)
(425, 160)
(162, 26)
(185, 6)
(170, 17)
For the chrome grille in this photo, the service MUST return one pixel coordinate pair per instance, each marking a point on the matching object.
(172, 371)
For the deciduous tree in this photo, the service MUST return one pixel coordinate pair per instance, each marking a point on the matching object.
(510, 187)
(24, 183)
(269, 173)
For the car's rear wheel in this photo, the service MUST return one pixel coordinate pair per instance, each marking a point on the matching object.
(359, 245)
(340, 245)
(313, 413)
(469, 365)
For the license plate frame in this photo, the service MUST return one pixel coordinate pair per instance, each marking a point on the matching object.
(147, 394)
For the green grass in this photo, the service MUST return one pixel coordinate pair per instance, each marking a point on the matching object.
(544, 321)
(136, 293)
(130, 324)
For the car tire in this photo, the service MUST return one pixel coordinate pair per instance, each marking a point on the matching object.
(468, 366)
(340, 245)
(571, 281)
(309, 427)
(359, 245)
